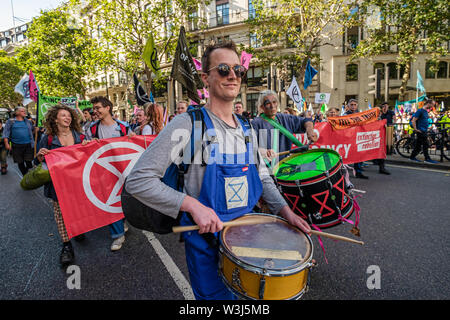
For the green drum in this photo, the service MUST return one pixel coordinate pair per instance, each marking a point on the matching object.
(313, 185)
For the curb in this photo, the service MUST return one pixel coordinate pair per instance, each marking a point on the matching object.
(439, 166)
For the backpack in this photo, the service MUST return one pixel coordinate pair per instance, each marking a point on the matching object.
(143, 217)
(94, 129)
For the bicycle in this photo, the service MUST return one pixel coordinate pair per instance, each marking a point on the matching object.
(437, 141)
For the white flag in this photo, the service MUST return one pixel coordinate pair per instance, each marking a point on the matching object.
(295, 94)
(322, 98)
(22, 87)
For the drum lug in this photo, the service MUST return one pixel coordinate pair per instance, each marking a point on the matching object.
(262, 287)
(236, 280)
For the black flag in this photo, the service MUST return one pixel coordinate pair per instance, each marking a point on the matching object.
(139, 91)
(183, 68)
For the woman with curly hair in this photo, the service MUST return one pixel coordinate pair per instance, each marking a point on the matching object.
(62, 129)
(153, 122)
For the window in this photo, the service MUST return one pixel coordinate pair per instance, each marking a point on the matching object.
(254, 76)
(442, 70)
(429, 74)
(351, 72)
(440, 73)
(111, 80)
(193, 20)
(252, 99)
(379, 65)
(393, 71)
(254, 42)
(251, 10)
(222, 13)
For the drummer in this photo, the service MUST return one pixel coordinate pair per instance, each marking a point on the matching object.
(269, 143)
(212, 194)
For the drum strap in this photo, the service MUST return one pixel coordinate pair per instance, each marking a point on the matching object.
(283, 130)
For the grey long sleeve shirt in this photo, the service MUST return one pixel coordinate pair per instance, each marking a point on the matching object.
(144, 181)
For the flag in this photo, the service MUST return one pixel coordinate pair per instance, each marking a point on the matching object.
(88, 180)
(183, 68)
(198, 64)
(419, 84)
(33, 86)
(370, 105)
(150, 55)
(323, 108)
(245, 59)
(295, 94)
(310, 72)
(22, 87)
(141, 96)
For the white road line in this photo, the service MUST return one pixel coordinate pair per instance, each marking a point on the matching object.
(416, 168)
(175, 273)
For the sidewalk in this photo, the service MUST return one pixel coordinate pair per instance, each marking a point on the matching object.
(399, 160)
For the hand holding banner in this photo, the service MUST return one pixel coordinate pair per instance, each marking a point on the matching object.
(88, 180)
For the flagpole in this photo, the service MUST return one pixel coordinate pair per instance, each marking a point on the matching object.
(37, 123)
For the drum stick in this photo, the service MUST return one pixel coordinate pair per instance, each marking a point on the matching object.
(336, 237)
(296, 150)
(258, 220)
(233, 223)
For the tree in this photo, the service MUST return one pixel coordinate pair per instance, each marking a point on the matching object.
(412, 26)
(123, 28)
(60, 54)
(10, 74)
(289, 32)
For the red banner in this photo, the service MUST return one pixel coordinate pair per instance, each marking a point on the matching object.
(88, 180)
(354, 144)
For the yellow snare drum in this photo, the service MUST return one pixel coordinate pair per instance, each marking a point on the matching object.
(268, 261)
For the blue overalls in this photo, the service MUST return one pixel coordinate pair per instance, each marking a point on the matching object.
(231, 187)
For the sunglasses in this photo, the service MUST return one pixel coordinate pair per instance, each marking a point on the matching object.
(224, 70)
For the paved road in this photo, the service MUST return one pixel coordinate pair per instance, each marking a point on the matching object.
(404, 223)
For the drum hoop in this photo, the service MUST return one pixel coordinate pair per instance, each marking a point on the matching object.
(332, 171)
(266, 271)
(245, 297)
(319, 178)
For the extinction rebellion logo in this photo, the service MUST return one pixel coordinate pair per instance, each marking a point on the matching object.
(114, 167)
(368, 140)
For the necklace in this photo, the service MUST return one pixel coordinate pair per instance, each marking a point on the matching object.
(65, 135)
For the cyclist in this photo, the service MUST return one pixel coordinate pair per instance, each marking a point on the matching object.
(419, 122)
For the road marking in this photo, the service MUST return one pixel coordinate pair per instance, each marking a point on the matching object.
(175, 273)
(422, 169)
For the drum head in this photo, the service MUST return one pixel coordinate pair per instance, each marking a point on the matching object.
(306, 165)
(275, 245)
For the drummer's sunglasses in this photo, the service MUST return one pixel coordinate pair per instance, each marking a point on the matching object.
(224, 70)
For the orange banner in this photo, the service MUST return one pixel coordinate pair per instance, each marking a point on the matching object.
(355, 119)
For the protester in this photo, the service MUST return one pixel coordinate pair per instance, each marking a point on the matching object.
(62, 129)
(238, 108)
(181, 107)
(271, 144)
(332, 112)
(389, 115)
(3, 151)
(352, 107)
(153, 120)
(108, 127)
(419, 122)
(203, 200)
(86, 123)
(19, 130)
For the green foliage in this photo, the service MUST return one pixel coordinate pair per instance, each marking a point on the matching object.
(289, 32)
(60, 54)
(10, 74)
(125, 26)
(412, 26)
